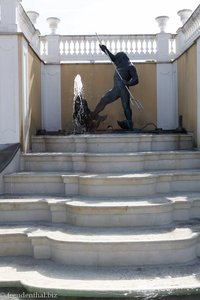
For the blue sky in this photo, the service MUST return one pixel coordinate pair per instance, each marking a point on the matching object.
(108, 16)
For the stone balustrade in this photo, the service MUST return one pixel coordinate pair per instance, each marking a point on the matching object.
(191, 29)
(86, 47)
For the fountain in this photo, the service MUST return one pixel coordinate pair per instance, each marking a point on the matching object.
(81, 111)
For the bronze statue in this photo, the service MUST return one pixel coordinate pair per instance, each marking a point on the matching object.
(125, 76)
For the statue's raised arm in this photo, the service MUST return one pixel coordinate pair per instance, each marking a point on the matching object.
(107, 52)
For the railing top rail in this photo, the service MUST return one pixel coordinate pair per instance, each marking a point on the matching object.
(191, 19)
(109, 35)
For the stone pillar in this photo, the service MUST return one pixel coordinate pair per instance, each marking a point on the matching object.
(51, 81)
(166, 79)
(53, 41)
(51, 97)
(167, 114)
(8, 15)
(163, 47)
(163, 39)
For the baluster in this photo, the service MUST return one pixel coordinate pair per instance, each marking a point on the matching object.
(67, 47)
(113, 46)
(143, 46)
(128, 44)
(43, 47)
(108, 44)
(133, 46)
(61, 46)
(150, 46)
(118, 46)
(136, 46)
(77, 48)
(89, 48)
(97, 48)
(92, 47)
(71, 49)
(82, 47)
(123, 45)
(64, 47)
(155, 46)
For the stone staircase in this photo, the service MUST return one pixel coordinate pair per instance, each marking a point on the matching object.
(103, 215)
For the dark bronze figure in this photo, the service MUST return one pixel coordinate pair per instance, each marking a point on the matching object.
(128, 77)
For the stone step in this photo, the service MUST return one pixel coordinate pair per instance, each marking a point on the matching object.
(128, 185)
(55, 279)
(101, 247)
(111, 162)
(136, 211)
(102, 212)
(158, 210)
(120, 143)
(102, 185)
(38, 183)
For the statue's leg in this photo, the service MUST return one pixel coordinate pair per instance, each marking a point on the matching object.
(108, 98)
(125, 99)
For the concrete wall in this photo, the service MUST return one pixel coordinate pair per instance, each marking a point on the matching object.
(187, 89)
(97, 80)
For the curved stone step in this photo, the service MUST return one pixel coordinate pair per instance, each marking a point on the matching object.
(54, 279)
(102, 185)
(103, 247)
(100, 143)
(137, 184)
(124, 212)
(103, 212)
(111, 162)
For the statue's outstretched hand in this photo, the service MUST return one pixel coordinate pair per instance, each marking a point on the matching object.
(103, 47)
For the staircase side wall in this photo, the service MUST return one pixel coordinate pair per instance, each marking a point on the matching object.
(13, 166)
(34, 90)
(29, 92)
(187, 89)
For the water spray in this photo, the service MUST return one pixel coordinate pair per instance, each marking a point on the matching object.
(80, 109)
